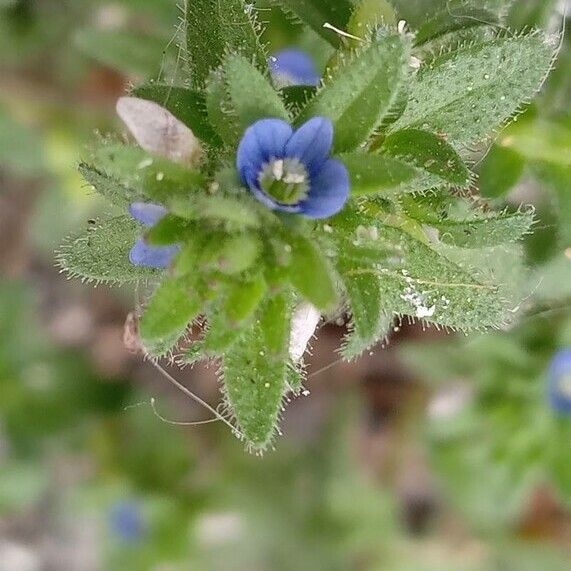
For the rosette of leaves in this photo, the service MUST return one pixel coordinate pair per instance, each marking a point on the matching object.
(410, 240)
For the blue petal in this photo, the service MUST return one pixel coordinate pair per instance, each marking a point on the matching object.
(293, 67)
(311, 143)
(147, 213)
(158, 257)
(262, 141)
(329, 191)
(559, 373)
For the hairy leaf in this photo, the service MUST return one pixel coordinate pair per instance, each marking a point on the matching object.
(101, 254)
(108, 187)
(243, 298)
(361, 91)
(310, 273)
(370, 321)
(428, 152)
(173, 306)
(467, 93)
(254, 386)
(215, 27)
(372, 173)
(483, 232)
(252, 95)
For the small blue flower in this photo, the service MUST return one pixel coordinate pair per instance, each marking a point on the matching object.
(293, 67)
(126, 521)
(291, 171)
(559, 382)
(142, 254)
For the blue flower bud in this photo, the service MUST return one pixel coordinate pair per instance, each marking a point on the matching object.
(293, 67)
(158, 257)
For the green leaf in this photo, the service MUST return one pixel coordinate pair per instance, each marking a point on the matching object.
(101, 254)
(236, 213)
(416, 279)
(275, 324)
(243, 298)
(233, 254)
(187, 105)
(216, 27)
(370, 321)
(251, 94)
(428, 152)
(372, 173)
(491, 230)
(170, 230)
(369, 14)
(500, 171)
(310, 273)
(361, 91)
(172, 307)
(315, 13)
(108, 187)
(296, 97)
(143, 176)
(453, 18)
(219, 108)
(467, 93)
(254, 386)
(127, 52)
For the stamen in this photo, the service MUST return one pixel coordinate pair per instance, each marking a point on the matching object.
(285, 180)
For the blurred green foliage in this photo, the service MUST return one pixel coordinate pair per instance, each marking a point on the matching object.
(307, 506)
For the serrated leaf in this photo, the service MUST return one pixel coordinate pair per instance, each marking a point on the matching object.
(315, 13)
(171, 309)
(361, 91)
(187, 105)
(252, 95)
(420, 281)
(254, 387)
(499, 171)
(296, 97)
(373, 173)
(428, 152)
(216, 27)
(107, 186)
(101, 254)
(369, 320)
(467, 93)
(491, 230)
(310, 273)
(243, 298)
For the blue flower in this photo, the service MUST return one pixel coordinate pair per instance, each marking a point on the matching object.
(291, 171)
(126, 521)
(559, 382)
(293, 67)
(142, 254)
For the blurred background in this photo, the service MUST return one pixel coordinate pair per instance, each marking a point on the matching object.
(437, 452)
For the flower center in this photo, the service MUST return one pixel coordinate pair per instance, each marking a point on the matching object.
(285, 180)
